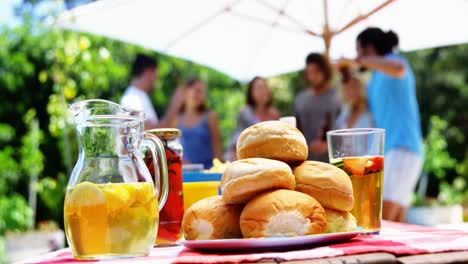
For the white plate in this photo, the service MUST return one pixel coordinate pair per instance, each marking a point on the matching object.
(268, 243)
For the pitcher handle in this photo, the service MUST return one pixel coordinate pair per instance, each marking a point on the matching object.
(157, 150)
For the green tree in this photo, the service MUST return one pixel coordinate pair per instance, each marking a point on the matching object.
(45, 69)
(442, 89)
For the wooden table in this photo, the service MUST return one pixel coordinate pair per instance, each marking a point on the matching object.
(384, 258)
(378, 258)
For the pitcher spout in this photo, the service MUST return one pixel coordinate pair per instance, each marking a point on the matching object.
(83, 109)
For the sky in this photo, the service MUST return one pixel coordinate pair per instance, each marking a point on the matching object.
(7, 12)
(7, 15)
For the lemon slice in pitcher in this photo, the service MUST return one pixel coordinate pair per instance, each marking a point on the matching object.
(85, 194)
(144, 192)
(118, 197)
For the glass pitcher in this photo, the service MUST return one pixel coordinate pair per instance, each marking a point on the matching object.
(111, 208)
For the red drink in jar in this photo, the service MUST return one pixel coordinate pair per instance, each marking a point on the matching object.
(170, 218)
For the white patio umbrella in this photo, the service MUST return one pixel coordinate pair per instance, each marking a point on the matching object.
(244, 38)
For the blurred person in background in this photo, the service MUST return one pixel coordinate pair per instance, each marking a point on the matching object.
(201, 136)
(355, 113)
(391, 93)
(144, 74)
(259, 107)
(317, 107)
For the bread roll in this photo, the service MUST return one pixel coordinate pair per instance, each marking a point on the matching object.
(211, 218)
(282, 213)
(339, 221)
(331, 186)
(272, 140)
(243, 179)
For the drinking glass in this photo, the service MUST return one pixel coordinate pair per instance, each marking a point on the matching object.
(360, 152)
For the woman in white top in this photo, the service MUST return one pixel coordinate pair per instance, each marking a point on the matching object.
(355, 113)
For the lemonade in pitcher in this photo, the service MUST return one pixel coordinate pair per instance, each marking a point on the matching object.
(111, 219)
(111, 207)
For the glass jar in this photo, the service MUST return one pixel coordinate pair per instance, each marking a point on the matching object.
(171, 215)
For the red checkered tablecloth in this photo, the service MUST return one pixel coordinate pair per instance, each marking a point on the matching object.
(397, 239)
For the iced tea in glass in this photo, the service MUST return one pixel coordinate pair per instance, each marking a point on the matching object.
(359, 152)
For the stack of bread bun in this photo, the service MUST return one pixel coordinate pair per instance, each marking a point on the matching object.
(273, 191)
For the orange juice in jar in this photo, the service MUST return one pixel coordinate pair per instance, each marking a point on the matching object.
(111, 219)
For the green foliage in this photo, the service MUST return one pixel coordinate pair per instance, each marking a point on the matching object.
(453, 193)
(51, 192)
(32, 159)
(442, 89)
(442, 82)
(284, 88)
(438, 160)
(6, 133)
(227, 108)
(9, 169)
(15, 214)
(98, 142)
(418, 201)
(45, 69)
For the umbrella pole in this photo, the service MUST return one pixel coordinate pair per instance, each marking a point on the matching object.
(327, 39)
(327, 35)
